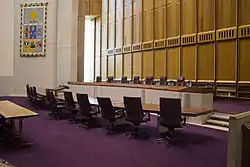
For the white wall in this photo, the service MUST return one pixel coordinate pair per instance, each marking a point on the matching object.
(6, 29)
(41, 71)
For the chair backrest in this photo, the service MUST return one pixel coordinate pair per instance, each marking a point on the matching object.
(47, 91)
(98, 79)
(69, 100)
(107, 109)
(170, 112)
(163, 80)
(133, 108)
(110, 79)
(84, 104)
(33, 92)
(124, 79)
(149, 80)
(180, 81)
(136, 80)
(28, 91)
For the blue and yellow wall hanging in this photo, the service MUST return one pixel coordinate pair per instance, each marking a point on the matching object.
(33, 27)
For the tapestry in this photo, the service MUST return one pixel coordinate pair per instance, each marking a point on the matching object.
(33, 29)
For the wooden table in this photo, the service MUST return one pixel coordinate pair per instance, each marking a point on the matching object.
(12, 111)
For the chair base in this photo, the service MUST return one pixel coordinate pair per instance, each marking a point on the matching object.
(136, 135)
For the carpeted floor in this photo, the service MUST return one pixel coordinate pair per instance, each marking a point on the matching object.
(231, 107)
(60, 144)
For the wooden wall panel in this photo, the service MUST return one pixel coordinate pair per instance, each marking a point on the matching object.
(111, 65)
(159, 23)
(226, 61)
(104, 67)
(137, 64)
(173, 61)
(189, 62)
(226, 13)
(118, 66)
(205, 65)
(160, 62)
(148, 5)
(244, 8)
(128, 31)
(244, 60)
(98, 48)
(127, 65)
(137, 29)
(147, 64)
(206, 11)
(173, 18)
(160, 3)
(128, 10)
(148, 26)
(188, 16)
(119, 34)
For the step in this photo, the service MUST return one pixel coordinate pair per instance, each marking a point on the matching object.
(216, 116)
(218, 123)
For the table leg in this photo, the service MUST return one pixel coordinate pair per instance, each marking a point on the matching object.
(21, 128)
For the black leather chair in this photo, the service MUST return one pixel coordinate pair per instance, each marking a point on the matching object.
(98, 79)
(180, 81)
(134, 114)
(109, 113)
(56, 107)
(86, 110)
(149, 80)
(124, 79)
(163, 80)
(36, 100)
(71, 106)
(110, 79)
(136, 80)
(170, 117)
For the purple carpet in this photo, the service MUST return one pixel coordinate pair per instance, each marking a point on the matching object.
(60, 144)
(231, 107)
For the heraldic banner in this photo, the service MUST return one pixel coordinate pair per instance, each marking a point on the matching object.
(33, 29)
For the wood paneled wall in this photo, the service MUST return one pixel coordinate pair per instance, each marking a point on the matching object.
(202, 40)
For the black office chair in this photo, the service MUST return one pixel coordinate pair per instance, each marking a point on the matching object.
(86, 110)
(180, 81)
(149, 80)
(124, 79)
(56, 107)
(71, 106)
(170, 117)
(98, 79)
(109, 113)
(135, 115)
(136, 80)
(110, 79)
(29, 95)
(36, 101)
(163, 80)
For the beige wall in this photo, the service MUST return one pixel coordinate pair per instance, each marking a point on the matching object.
(60, 63)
